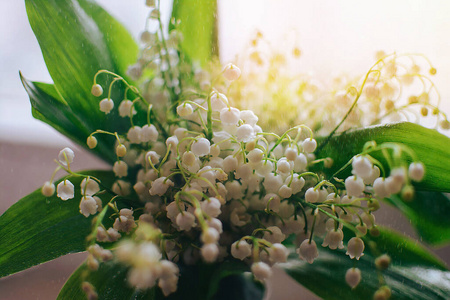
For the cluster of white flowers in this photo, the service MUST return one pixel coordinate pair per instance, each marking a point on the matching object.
(213, 185)
(229, 173)
(398, 87)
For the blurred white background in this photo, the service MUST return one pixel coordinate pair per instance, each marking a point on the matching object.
(334, 36)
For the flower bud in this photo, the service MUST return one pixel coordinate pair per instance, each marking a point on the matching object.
(382, 262)
(97, 90)
(121, 150)
(353, 277)
(91, 142)
(48, 189)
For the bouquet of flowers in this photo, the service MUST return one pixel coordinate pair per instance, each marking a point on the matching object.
(203, 198)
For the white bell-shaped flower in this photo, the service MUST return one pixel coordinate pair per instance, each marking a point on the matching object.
(184, 110)
(120, 169)
(65, 190)
(312, 195)
(229, 116)
(291, 153)
(88, 206)
(211, 207)
(355, 248)
(379, 188)
(209, 236)
(160, 186)
(216, 224)
(255, 156)
(66, 156)
(308, 251)
(106, 105)
(278, 253)
(149, 133)
(416, 171)
(126, 108)
(245, 133)
(284, 166)
(185, 221)
(309, 145)
(230, 164)
(272, 183)
(89, 187)
(248, 117)
(218, 101)
(231, 72)
(209, 252)
(241, 249)
(201, 147)
(333, 239)
(274, 235)
(285, 191)
(354, 186)
(134, 135)
(296, 183)
(261, 271)
(300, 163)
(362, 166)
(374, 174)
(121, 187)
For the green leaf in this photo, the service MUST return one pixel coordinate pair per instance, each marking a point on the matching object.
(429, 214)
(197, 23)
(109, 281)
(194, 283)
(49, 107)
(37, 229)
(413, 274)
(431, 147)
(77, 39)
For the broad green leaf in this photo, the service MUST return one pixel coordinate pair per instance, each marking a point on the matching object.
(197, 23)
(77, 39)
(429, 214)
(195, 282)
(431, 147)
(37, 229)
(413, 274)
(109, 281)
(50, 108)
